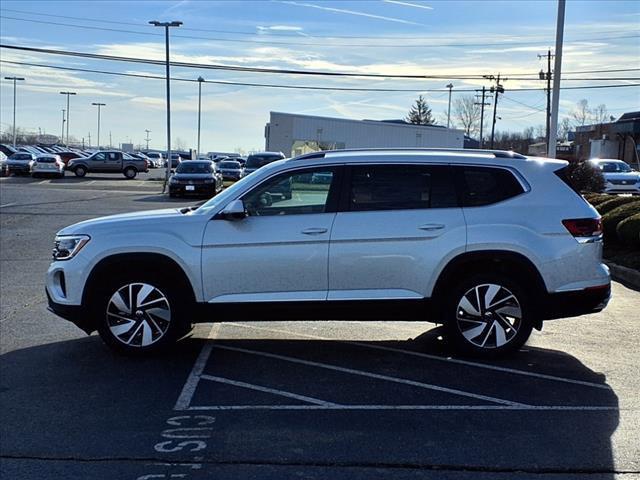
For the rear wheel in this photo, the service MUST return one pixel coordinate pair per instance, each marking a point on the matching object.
(80, 171)
(130, 173)
(139, 314)
(488, 315)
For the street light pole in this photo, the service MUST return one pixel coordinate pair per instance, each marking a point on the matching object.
(200, 80)
(450, 86)
(147, 139)
(99, 105)
(62, 133)
(67, 94)
(14, 105)
(166, 26)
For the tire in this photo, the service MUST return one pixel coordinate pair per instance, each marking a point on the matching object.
(80, 171)
(156, 321)
(130, 173)
(173, 195)
(488, 315)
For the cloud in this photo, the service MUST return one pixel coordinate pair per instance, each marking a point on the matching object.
(279, 28)
(352, 12)
(407, 4)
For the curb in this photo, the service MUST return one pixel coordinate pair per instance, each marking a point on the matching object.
(625, 275)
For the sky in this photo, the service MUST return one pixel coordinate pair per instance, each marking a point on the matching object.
(407, 37)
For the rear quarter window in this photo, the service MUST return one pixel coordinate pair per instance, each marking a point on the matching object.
(487, 185)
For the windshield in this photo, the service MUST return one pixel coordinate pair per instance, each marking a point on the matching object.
(257, 161)
(229, 165)
(613, 167)
(20, 156)
(194, 167)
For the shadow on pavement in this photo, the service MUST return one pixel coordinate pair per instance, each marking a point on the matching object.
(76, 399)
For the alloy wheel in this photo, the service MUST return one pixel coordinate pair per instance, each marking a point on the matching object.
(138, 314)
(489, 316)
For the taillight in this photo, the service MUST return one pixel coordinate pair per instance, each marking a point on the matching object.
(584, 227)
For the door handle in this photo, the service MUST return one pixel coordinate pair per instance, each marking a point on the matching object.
(314, 231)
(431, 226)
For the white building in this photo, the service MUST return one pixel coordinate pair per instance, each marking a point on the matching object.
(294, 134)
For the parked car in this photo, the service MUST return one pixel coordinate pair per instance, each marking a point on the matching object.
(489, 243)
(4, 167)
(157, 158)
(176, 159)
(143, 156)
(195, 177)
(257, 160)
(20, 163)
(619, 177)
(48, 165)
(108, 161)
(231, 170)
(66, 156)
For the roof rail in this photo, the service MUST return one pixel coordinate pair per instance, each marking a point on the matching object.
(495, 153)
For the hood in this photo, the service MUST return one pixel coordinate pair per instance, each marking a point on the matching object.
(136, 218)
(622, 176)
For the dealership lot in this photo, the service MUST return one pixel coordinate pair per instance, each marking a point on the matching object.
(295, 400)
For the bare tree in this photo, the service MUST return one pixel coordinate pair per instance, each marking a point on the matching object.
(179, 143)
(582, 113)
(420, 113)
(466, 112)
(600, 114)
(564, 128)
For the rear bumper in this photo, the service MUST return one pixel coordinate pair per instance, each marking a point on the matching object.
(576, 303)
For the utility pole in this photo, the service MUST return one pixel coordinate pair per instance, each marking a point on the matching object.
(147, 139)
(68, 112)
(99, 105)
(450, 87)
(497, 90)
(553, 126)
(89, 139)
(110, 144)
(200, 80)
(14, 104)
(166, 26)
(482, 105)
(63, 120)
(547, 76)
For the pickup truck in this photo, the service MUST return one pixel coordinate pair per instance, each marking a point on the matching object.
(108, 161)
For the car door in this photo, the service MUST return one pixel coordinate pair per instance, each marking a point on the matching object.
(97, 161)
(397, 225)
(113, 162)
(279, 252)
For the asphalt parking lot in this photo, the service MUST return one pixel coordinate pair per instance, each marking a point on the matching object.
(338, 400)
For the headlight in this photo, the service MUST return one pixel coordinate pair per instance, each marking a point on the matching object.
(67, 246)
(173, 180)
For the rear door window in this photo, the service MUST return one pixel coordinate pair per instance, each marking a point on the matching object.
(400, 187)
(486, 185)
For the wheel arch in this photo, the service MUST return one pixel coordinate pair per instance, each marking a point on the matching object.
(156, 262)
(503, 261)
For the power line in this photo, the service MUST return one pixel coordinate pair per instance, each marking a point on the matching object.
(299, 87)
(266, 70)
(309, 44)
(271, 32)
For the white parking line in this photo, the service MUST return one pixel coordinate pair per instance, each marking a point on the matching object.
(377, 376)
(260, 388)
(189, 388)
(435, 357)
(7, 205)
(552, 408)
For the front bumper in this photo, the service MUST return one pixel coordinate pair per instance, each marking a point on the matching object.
(633, 188)
(198, 189)
(575, 303)
(76, 314)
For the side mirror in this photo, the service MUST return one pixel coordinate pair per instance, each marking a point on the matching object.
(234, 211)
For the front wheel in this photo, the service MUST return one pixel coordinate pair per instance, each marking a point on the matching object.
(488, 315)
(139, 314)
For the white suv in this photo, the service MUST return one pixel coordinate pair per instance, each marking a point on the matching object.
(488, 243)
